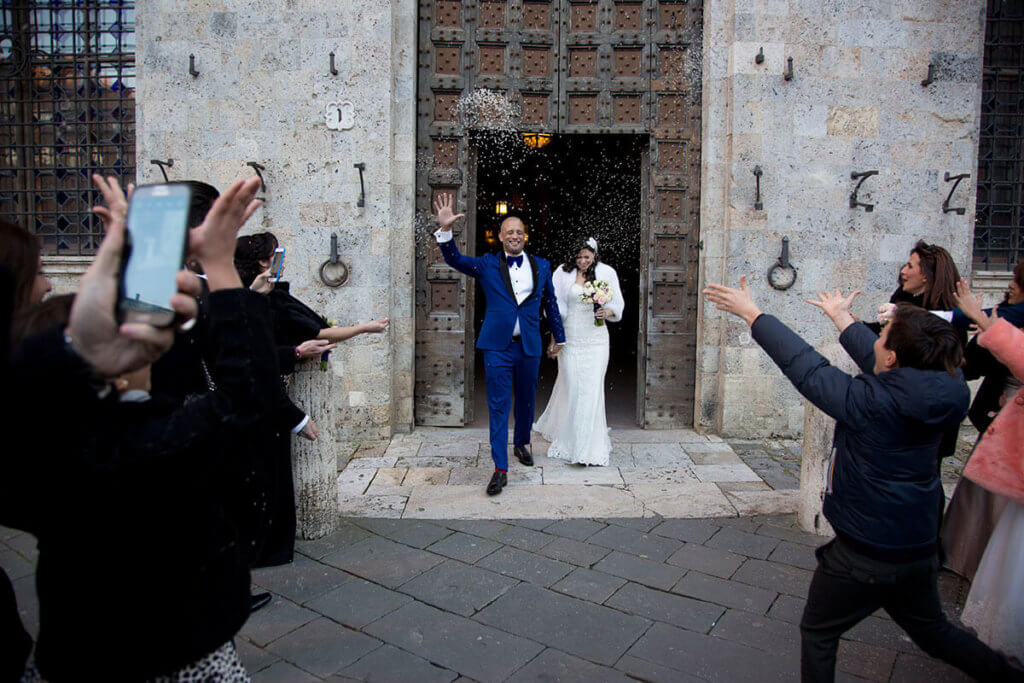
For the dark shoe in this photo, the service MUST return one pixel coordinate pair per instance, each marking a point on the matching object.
(524, 455)
(258, 601)
(498, 481)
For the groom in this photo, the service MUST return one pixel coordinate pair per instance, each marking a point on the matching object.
(515, 285)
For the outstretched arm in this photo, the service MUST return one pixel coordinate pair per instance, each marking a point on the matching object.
(856, 338)
(833, 391)
(338, 334)
(446, 217)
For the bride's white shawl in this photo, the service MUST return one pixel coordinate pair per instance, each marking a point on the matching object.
(563, 281)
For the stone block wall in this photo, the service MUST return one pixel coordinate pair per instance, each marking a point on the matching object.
(261, 95)
(855, 103)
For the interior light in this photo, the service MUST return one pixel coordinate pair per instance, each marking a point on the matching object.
(536, 140)
(501, 208)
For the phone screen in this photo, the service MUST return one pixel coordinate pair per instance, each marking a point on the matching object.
(157, 226)
(277, 264)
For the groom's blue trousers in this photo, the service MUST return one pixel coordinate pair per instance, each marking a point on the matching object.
(507, 371)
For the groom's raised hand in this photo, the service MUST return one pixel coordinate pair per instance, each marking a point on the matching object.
(443, 208)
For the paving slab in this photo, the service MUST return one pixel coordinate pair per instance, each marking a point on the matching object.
(283, 672)
(694, 615)
(539, 502)
(254, 658)
(382, 561)
(720, 563)
(643, 670)
(764, 633)
(588, 584)
(525, 566)
(743, 543)
(357, 603)
(390, 505)
(723, 592)
(322, 647)
(582, 475)
(774, 576)
(464, 547)
(646, 545)
(690, 530)
(596, 633)
(711, 658)
(346, 535)
(389, 664)
(275, 620)
(409, 532)
(574, 552)
(765, 502)
(579, 529)
(372, 463)
(300, 580)
(682, 500)
(553, 665)
(469, 647)
(795, 554)
(481, 475)
(912, 669)
(732, 472)
(659, 455)
(674, 474)
(458, 587)
(866, 661)
(637, 569)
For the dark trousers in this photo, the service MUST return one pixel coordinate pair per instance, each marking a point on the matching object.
(507, 371)
(848, 586)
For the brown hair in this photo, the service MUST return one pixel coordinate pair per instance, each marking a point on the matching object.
(19, 251)
(940, 274)
(923, 340)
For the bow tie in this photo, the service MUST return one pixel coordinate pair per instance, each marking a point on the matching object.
(515, 261)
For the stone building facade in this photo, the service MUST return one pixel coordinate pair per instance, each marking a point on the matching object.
(855, 102)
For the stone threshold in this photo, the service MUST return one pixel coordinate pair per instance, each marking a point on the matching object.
(437, 473)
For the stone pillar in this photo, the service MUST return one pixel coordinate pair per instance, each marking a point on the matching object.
(314, 463)
(816, 450)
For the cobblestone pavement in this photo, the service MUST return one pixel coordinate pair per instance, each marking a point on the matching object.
(544, 600)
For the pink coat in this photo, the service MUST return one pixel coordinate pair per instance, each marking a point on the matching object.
(998, 460)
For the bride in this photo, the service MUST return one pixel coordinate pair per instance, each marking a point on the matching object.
(574, 420)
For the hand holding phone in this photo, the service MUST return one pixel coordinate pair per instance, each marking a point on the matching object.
(277, 265)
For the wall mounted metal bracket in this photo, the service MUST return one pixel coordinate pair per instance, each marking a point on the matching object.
(759, 57)
(263, 183)
(169, 164)
(334, 71)
(362, 187)
(192, 71)
(931, 76)
(861, 176)
(946, 208)
(788, 75)
(758, 204)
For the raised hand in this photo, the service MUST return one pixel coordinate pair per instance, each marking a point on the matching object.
(116, 200)
(970, 304)
(836, 307)
(263, 284)
(443, 207)
(376, 326)
(739, 302)
(110, 349)
(212, 243)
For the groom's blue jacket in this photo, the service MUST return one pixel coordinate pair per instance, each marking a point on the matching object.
(491, 271)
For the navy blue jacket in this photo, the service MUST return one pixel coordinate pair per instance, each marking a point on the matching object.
(883, 490)
(502, 310)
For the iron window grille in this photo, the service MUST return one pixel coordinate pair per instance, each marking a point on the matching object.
(67, 110)
(998, 239)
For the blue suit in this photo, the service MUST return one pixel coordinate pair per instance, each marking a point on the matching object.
(510, 363)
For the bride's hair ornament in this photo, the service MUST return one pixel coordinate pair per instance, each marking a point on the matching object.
(592, 243)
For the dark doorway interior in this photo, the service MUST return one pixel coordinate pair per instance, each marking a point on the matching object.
(577, 186)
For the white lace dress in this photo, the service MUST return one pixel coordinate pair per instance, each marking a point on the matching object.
(574, 419)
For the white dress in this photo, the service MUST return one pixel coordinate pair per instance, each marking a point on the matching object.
(994, 607)
(574, 419)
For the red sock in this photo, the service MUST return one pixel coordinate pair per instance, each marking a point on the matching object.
(502, 471)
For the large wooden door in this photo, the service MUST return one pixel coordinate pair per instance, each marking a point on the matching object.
(595, 67)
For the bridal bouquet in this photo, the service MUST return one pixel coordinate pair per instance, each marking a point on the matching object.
(598, 292)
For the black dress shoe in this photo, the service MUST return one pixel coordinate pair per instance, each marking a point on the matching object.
(258, 601)
(523, 453)
(498, 481)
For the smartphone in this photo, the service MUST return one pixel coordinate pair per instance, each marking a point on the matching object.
(277, 265)
(155, 247)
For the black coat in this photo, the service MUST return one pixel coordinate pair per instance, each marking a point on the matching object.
(884, 489)
(140, 570)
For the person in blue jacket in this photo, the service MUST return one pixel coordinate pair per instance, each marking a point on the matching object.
(883, 489)
(516, 286)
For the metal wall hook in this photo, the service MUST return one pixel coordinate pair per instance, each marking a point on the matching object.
(169, 164)
(946, 208)
(192, 66)
(788, 75)
(759, 57)
(333, 272)
(362, 187)
(256, 167)
(931, 76)
(758, 204)
(861, 176)
(334, 71)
